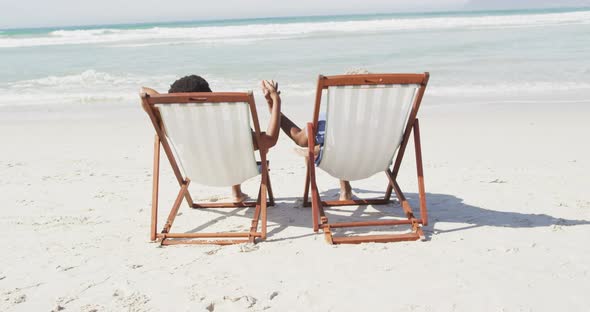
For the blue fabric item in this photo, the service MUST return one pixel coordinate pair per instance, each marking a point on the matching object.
(320, 136)
(259, 165)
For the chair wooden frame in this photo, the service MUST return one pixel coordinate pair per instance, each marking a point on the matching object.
(320, 220)
(221, 238)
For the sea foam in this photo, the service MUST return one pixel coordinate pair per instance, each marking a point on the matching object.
(92, 86)
(240, 33)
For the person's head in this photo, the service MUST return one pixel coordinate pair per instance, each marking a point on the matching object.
(192, 83)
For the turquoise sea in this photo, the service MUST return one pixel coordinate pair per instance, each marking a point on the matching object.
(473, 57)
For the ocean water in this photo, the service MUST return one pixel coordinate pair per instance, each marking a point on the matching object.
(473, 57)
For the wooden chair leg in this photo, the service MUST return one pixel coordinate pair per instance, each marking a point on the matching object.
(175, 207)
(188, 198)
(315, 203)
(388, 192)
(263, 214)
(155, 190)
(400, 196)
(271, 197)
(420, 173)
(396, 165)
(306, 191)
(315, 196)
(263, 190)
(254, 225)
(256, 217)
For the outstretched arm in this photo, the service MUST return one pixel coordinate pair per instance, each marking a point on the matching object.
(295, 133)
(271, 135)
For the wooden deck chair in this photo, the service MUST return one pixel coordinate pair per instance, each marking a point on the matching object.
(207, 139)
(369, 118)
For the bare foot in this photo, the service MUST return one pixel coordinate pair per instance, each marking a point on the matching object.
(239, 198)
(237, 195)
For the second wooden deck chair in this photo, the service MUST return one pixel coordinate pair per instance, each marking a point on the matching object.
(369, 118)
(207, 139)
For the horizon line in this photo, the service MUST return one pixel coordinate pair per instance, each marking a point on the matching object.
(408, 12)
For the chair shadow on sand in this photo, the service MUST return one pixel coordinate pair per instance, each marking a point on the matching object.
(443, 208)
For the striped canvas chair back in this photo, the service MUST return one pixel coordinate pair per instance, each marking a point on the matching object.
(212, 142)
(364, 128)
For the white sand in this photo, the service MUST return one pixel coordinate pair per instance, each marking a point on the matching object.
(507, 192)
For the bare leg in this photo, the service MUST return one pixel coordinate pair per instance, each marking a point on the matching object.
(345, 190)
(237, 195)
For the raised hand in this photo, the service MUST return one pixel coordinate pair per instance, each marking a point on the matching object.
(269, 87)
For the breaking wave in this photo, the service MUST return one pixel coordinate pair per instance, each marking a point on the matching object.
(97, 87)
(253, 32)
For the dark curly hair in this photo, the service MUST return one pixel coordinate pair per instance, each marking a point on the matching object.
(192, 83)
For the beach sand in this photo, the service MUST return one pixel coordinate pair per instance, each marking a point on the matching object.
(507, 191)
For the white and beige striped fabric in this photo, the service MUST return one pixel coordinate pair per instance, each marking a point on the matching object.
(364, 128)
(212, 142)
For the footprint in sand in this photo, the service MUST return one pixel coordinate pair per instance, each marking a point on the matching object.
(19, 299)
(194, 294)
(248, 301)
(134, 301)
(273, 295)
(15, 296)
(212, 251)
(64, 268)
(248, 247)
(11, 298)
(556, 228)
(109, 196)
(24, 202)
(16, 164)
(229, 303)
(91, 308)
